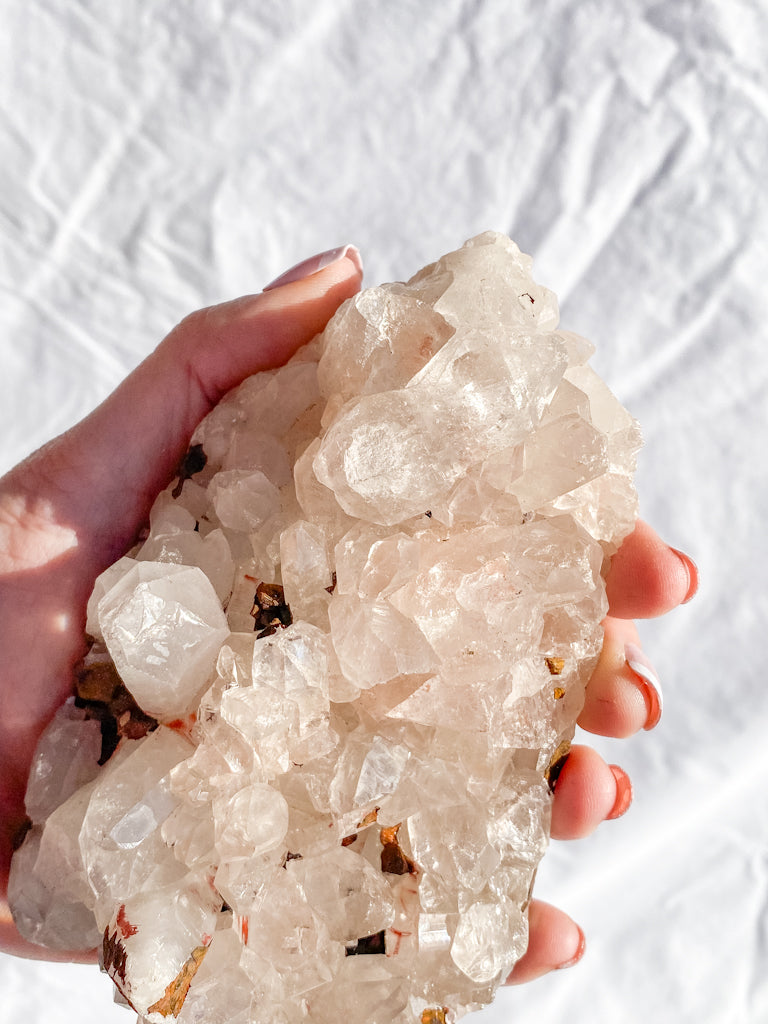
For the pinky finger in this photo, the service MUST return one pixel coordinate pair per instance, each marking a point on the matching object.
(555, 942)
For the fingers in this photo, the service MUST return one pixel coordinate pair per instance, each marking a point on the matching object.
(624, 693)
(220, 346)
(554, 942)
(647, 577)
(111, 466)
(588, 792)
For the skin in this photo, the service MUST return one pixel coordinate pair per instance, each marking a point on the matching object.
(72, 508)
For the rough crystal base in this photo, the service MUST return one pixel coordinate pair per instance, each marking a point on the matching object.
(310, 760)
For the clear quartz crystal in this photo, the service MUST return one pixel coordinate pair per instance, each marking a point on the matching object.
(66, 758)
(364, 618)
(163, 626)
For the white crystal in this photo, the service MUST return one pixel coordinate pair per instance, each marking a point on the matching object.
(243, 500)
(116, 873)
(103, 584)
(221, 993)
(66, 758)
(211, 553)
(163, 626)
(288, 948)
(489, 938)
(407, 531)
(252, 821)
(347, 893)
(395, 336)
(306, 571)
(180, 922)
(48, 889)
(144, 817)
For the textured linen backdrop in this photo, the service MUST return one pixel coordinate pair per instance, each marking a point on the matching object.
(159, 156)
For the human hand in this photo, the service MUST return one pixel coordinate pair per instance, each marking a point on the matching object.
(646, 579)
(75, 506)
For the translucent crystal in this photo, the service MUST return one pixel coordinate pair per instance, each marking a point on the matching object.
(116, 872)
(211, 553)
(347, 892)
(66, 758)
(251, 822)
(48, 888)
(222, 991)
(180, 922)
(364, 617)
(489, 938)
(144, 817)
(163, 625)
(104, 583)
(243, 500)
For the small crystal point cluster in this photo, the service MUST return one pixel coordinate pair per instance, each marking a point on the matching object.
(307, 773)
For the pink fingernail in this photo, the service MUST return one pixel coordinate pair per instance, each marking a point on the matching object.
(693, 574)
(623, 792)
(319, 262)
(646, 673)
(580, 948)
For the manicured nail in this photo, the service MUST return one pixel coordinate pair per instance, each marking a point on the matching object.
(693, 574)
(315, 263)
(649, 681)
(623, 792)
(580, 947)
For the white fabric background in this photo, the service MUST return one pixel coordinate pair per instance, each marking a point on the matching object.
(158, 156)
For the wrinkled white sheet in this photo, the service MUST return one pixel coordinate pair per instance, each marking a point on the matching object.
(155, 157)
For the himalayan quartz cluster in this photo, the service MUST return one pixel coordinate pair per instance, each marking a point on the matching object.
(307, 772)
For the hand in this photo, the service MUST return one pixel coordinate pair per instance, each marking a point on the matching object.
(647, 578)
(74, 507)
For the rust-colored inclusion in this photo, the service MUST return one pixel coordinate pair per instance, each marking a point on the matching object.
(393, 859)
(269, 611)
(556, 763)
(172, 1000)
(434, 1015)
(100, 691)
(115, 957)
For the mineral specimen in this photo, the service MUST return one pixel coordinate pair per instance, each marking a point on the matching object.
(307, 771)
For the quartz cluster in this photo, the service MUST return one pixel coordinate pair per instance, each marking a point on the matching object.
(307, 771)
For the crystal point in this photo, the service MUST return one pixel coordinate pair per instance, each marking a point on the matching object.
(163, 626)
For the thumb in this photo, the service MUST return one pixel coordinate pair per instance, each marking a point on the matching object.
(102, 476)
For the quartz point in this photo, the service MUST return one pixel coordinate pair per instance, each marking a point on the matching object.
(342, 670)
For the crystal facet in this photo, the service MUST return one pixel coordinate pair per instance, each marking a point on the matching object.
(353, 646)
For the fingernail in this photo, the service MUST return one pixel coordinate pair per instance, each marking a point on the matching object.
(693, 574)
(319, 262)
(649, 681)
(623, 792)
(580, 948)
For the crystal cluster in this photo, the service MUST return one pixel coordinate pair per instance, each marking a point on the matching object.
(307, 773)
